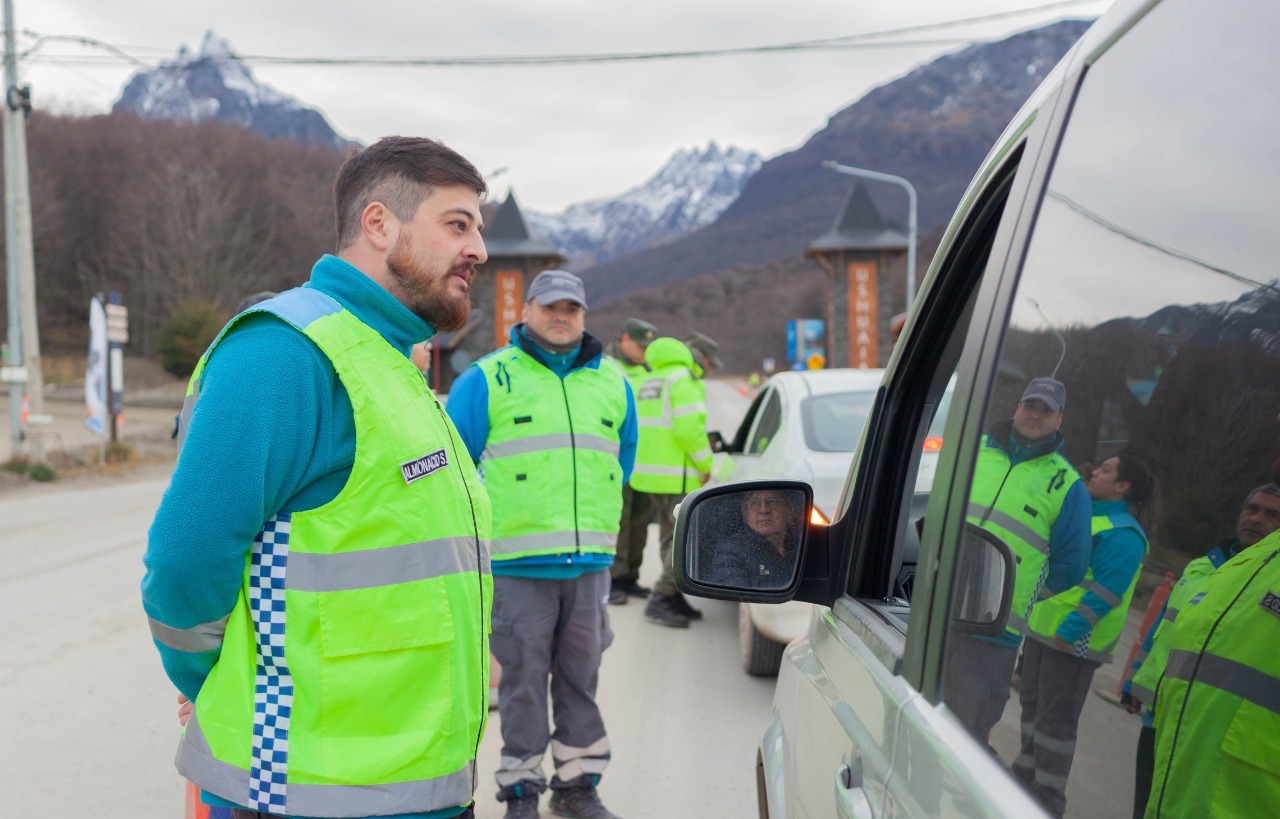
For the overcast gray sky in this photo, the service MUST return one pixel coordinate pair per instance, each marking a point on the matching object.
(564, 133)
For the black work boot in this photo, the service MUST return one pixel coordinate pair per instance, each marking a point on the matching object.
(618, 596)
(522, 807)
(684, 608)
(661, 609)
(583, 803)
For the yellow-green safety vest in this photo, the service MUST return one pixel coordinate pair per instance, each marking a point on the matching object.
(1194, 574)
(1048, 615)
(353, 672)
(673, 452)
(1218, 704)
(1020, 504)
(550, 462)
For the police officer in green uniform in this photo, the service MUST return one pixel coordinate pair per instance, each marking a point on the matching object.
(1259, 516)
(551, 423)
(318, 578)
(1071, 634)
(675, 456)
(1032, 498)
(1218, 703)
(637, 510)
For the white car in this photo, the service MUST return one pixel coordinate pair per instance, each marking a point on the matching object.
(804, 425)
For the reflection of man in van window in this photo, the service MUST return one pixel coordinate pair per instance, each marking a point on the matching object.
(1073, 633)
(1026, 493)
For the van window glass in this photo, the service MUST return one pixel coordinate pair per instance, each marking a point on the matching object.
(1134, 411)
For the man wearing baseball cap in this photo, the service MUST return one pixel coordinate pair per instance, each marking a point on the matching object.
(1032, 498)
(551, 423)
(637, 509)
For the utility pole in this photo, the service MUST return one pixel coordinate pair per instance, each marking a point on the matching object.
(24, 334)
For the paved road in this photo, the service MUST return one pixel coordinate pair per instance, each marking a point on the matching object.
(88, 718)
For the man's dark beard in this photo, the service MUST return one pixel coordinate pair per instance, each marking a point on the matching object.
(429, 300)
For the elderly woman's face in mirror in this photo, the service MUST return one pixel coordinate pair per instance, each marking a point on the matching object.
(768, 512)
(747, 539)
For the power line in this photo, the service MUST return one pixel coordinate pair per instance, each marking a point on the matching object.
(860, 41)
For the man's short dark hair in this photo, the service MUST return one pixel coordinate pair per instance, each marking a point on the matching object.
(399, 172)
(1266, 489)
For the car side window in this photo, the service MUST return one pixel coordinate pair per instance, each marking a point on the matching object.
(769, 424)
(1132, 416)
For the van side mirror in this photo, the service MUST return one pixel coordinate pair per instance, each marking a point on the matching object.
(983, 590)
(717, 442)
(743, 541)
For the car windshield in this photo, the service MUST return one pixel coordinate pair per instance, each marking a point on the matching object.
(833, 422)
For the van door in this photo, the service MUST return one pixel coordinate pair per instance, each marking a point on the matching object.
(837, 741)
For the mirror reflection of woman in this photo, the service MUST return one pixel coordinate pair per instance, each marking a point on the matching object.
(761, 552)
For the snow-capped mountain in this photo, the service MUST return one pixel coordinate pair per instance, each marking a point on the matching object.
(214, 85)
(691, 190)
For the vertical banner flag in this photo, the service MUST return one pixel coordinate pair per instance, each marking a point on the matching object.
(95, 376)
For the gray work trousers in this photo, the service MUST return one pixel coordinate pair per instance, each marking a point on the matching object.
(665, 506)
(633, 533)
(1053, 690)
(550, 630)
(976, 682)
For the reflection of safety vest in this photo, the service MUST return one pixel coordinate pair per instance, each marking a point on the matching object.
(1047, 615)
(1193, 576)
(354, 667)
(673, 451)
(551, 459)
(1218, 705)
(1020, 503)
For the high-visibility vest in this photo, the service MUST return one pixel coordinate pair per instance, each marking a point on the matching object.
(353, 671)
(550, 462)
(1194, 574)
(1218, 704)
(1020, 504)
(1100, 641)
(673, 451)
(635, 373)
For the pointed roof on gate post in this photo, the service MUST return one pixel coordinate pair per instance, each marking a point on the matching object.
(859, 227)
(507, 234)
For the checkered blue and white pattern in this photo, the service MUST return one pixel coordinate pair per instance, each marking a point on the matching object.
(273, 685)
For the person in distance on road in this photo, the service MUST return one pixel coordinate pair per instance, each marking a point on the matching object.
(675, 456)
(637, 510)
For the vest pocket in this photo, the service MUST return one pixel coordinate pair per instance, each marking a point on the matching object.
(1248, 784)
(386, 618)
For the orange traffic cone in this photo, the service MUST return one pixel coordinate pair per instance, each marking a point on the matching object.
(195, 808)
(1158, 597)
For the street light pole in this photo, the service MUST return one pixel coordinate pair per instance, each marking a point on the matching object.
(19, 257)
(911, 213)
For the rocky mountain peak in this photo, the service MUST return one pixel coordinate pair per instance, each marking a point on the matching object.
(213, 84)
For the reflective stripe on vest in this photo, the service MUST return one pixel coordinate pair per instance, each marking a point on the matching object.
(1227, 675)
(306, 799)
(550, 462)
(346, 604)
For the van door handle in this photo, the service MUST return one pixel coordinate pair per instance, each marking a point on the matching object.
(851, 799)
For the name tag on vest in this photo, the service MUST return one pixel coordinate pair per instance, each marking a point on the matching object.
(1271, 603)
(424, 466)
